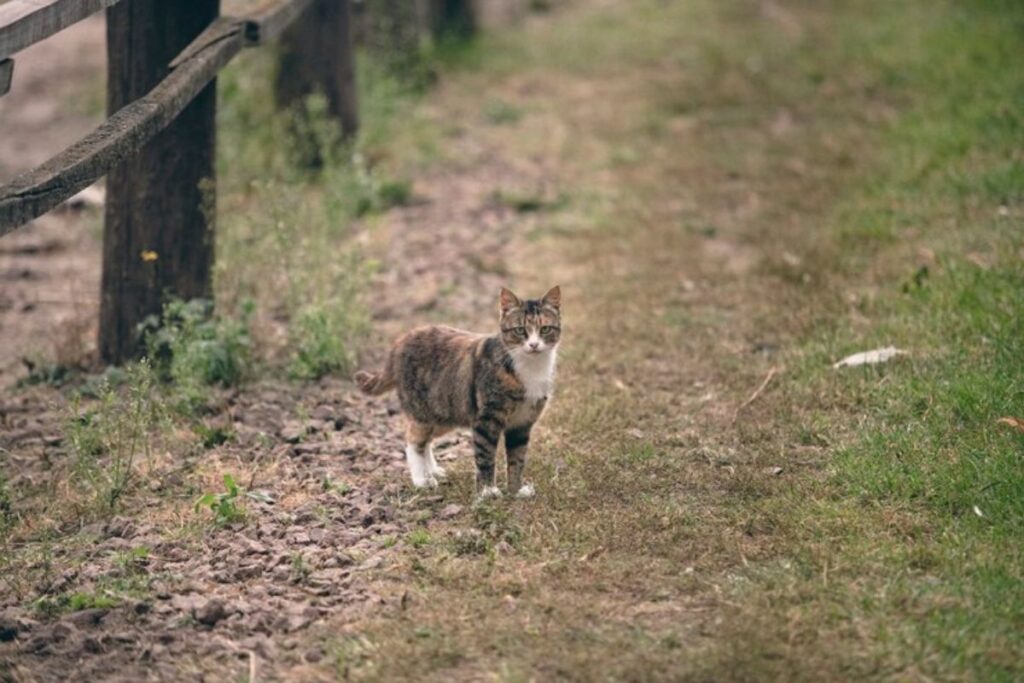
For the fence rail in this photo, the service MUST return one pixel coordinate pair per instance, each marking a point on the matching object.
(35, 192)
(24, 22)
(157, 145)
(39, 190)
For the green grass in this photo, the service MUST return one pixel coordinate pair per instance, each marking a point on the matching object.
(869, 140)
(287, 233)
(923, 510)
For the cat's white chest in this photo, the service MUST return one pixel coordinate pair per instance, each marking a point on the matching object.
(537, 373)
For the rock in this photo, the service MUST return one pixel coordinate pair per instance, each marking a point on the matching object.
(312, 447)
(323, 412)
(292, 432)
(211, 612)
(372, 563)
(251, 547)
(186, 603)
(9, 628)
(39, 644)
(92, 645)
(449, 511)
(86, 617)
(62, 631)
(119, 527)
(314, 655)
(248, 571)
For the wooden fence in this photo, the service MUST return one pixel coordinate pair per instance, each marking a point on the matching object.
(157, 145)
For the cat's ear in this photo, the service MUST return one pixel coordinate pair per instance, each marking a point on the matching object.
(553, 298)
(507, 301)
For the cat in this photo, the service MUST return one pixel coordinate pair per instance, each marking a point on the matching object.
(497, 385)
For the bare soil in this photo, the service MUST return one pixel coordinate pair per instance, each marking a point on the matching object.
(237, 600)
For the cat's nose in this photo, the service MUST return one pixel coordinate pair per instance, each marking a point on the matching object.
(533, 345)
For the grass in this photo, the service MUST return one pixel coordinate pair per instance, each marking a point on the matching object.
(743, 190)
(859, 170)
(110, 441)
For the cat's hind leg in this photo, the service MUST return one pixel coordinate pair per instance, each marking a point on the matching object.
(418, 456)
(439, 472)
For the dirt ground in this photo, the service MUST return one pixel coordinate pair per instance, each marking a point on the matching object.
(700, 178)
(237, 601)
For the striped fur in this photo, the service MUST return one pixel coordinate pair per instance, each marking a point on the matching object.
(496, 385)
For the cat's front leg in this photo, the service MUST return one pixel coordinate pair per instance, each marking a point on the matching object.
(486, 432)
(517, 439)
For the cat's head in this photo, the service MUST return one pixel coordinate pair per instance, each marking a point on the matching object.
(531, 326)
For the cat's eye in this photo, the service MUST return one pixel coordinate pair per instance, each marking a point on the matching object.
(521, 331)
(547, 329)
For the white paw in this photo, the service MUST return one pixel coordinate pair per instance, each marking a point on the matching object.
(488, 492)
(427, 482)
(526, 491)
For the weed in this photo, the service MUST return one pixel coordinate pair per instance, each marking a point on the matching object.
(300, 569)
(324, 337)
(52, 606)
(108, 439)
(132, 561)
(48, 374)
(418, 538)
(194, 349)
(214, 436)
(228, 506)
(338, 487)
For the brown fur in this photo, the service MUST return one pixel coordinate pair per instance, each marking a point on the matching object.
(448, 378)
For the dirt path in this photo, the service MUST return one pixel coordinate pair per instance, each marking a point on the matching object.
(247, 595)
(671, 165)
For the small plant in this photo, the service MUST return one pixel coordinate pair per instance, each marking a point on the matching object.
(108, 440)
(6, 509)
(46, 373)
(194, 349)
(324, 336)
(132, 561)
(228, 506)
(356, 189)
(339, 487)
(52, 606)
(224, 506)
(214, 436)
(300, 568)
(418, 538)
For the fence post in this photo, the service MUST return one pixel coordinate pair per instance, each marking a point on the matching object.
(316, 55)
(159, 229)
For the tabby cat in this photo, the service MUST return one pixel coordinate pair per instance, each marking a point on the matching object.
(498, 384)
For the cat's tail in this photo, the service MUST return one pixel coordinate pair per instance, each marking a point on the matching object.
(376, 383)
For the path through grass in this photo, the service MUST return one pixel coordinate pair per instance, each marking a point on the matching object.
(749, 190)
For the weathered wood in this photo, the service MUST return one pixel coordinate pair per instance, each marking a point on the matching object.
(24, 22)
(269, 23)
(317, 56)
(158, 239)
(6, 74)
(126, 131)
